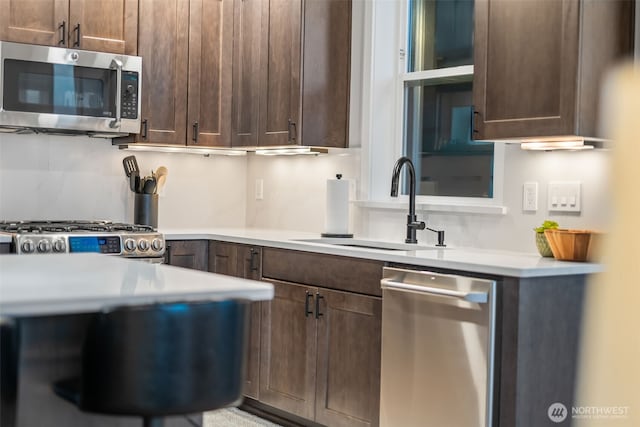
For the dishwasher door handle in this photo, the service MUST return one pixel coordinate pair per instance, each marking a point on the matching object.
(477, 297)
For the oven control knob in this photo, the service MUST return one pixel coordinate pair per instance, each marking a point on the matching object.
(143, 245)
(28, 246)
(59, 246)
(130, 245)
(157, 245)
(44, 246)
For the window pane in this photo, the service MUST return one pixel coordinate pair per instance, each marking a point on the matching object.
(438, 139)
(440, 34)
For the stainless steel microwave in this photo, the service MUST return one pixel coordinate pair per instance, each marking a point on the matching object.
(51, 89)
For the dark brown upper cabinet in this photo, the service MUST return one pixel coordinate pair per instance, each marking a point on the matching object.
(104, 26)
(291, 70)
(538, 65)
(186, 81)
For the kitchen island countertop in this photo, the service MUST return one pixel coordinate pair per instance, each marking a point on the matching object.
(81, 283)
(503, 263)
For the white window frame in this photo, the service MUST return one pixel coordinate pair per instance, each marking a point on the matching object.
(384, 26)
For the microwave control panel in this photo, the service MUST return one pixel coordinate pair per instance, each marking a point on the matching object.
(129, 95)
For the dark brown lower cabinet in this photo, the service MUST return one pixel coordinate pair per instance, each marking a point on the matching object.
(321, 354)
(242, 261)
(187, 253)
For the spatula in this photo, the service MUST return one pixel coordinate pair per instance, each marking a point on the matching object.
(133, 173)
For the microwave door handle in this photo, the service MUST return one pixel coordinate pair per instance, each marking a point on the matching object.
(117, 64)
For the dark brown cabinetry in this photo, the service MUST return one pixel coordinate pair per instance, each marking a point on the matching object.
(242, 261)
(539, 65)
(188, 254)
(327, 73)
(291, 79)
(320, 346)
(104, 26)
(186, 49)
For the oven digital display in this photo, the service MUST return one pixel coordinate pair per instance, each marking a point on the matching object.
(104, 245)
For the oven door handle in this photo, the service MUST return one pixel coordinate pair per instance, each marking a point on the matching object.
(477, 297)
(117, 64)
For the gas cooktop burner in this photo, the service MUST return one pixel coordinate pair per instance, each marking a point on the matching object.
(71, 227)
(127, 240)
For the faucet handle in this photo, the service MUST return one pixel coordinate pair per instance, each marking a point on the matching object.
(418, 225)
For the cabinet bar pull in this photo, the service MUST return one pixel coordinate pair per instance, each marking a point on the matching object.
(63, 33)
(252, 264)
(145, 125)
(196, 131)
(307, 312)
(292, 135)
(473, 122)
(318, 298)
(76, 30)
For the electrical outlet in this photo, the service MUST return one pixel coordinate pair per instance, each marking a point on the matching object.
(530, 196)
(259, 189)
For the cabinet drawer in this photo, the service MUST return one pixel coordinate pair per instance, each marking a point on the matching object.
(329, 271)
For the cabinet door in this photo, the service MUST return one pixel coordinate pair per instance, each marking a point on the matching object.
(348, 375)
(164, 46)
(525, 71)
(280, 72)
(210, 59)
(188, 254)
(35, 21)
(104, 26)
(288, 350)
(246, 71)
(326, 71)
(249, 267)
(223, 258)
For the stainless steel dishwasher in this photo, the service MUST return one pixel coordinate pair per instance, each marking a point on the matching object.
(437, 350)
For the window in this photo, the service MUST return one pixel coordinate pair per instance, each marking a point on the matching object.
(438, 104)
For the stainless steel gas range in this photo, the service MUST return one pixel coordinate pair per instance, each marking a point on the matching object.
(127, 240)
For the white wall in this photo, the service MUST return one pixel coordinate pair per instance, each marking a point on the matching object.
(52, 177)
(513, 231)
(56, 177)
(295, 189)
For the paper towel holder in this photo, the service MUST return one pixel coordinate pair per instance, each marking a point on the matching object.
(338, 235)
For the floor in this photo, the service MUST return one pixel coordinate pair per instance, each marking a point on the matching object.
(234, 417)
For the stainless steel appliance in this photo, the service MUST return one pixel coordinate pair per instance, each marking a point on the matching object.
(437, 349)
(51, 89)
(126, 240)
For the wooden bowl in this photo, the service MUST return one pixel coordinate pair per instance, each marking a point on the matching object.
(572, 245)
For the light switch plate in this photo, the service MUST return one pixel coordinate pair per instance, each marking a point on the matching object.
(564, 196)
(530, 196)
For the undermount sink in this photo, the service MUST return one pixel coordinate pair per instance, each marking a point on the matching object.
(369, 244)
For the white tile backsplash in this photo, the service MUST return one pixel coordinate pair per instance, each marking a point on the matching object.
(54, 177)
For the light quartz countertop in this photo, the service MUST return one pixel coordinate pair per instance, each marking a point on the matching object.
(502, 263)
(81, 283)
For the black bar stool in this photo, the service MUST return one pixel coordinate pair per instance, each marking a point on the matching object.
(9, 359)
(163, 359)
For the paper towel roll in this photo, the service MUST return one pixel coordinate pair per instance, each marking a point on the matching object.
(337, 219)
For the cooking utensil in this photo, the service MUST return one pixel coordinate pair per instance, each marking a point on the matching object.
(161, 177)
(133, 173)
(149, 186)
